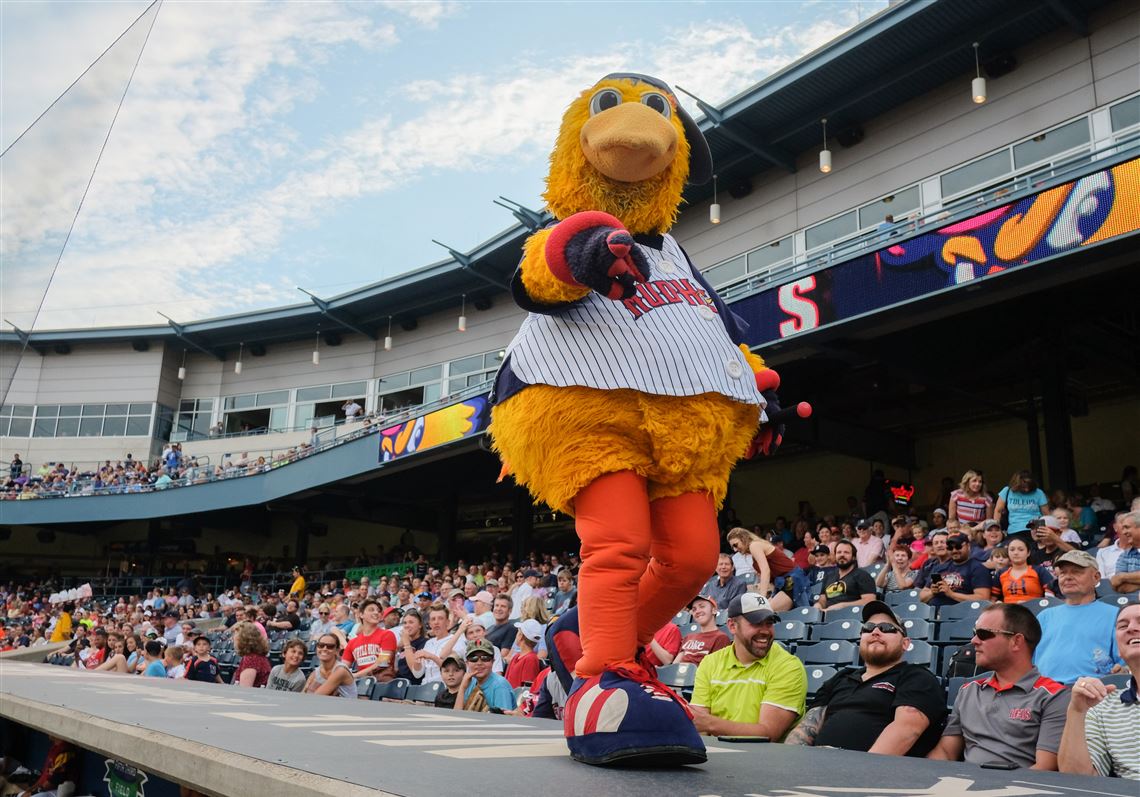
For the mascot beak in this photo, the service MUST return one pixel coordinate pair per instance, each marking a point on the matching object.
(629, 143)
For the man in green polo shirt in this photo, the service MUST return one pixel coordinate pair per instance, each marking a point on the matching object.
(753, 687)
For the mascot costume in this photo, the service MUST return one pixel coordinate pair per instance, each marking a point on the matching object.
(624, 400)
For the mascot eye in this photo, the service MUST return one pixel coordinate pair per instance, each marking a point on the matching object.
(603, 101)
(657, 102)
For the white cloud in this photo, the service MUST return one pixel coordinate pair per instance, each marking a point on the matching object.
(427, 13)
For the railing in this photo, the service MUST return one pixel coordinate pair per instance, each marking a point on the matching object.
(274, 458)
(1009, 189)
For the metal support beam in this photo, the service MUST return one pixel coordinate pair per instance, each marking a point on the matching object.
(531, 219)
(24, 337)
(323, 306)
(468, 264)
(774, 155)
(180, 333)
(1071, 14)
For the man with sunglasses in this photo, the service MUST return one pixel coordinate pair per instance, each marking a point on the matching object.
(887, 706)
(959, 577)
(482, 689)
(1014, 716)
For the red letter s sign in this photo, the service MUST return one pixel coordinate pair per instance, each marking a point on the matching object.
(803, 312)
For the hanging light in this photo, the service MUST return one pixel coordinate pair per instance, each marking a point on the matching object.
(237, 365)
(182, 368)
(714, 208)
(978, 84)
(317, 348)
(463, 315)
(825, 153)
(388, 337)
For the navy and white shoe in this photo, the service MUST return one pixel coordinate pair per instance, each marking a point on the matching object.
(626, 717)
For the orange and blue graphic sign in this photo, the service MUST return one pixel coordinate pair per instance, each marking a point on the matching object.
(446, 425)
(1066, 218)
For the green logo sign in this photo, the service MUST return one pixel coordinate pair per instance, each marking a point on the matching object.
(124, 780)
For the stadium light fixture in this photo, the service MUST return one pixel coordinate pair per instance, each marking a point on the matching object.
(237, 365)
(388, 337)
(317, 348)
(714, 208)
(463, 315)
(978, 84)
(182, 368)
(825, 153)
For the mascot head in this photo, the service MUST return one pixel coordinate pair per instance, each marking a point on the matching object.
(626, 147)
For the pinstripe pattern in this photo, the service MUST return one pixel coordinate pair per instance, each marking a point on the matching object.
(668, 340)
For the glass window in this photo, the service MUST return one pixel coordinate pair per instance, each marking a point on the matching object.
(831, 230)
(394, 381)
(137, 426)
(349, 390)
(183, 406)
(273, 397)
(727, 271)
(114, 426)
(67, 427)
(140, 409)
(240, 402)
(429, 374)
(764, 257)
(21, 427)
(401, 400)
(1125, 114)
(91, 427)
(896, 205)
(69, 411)
(432, 392)
(47, 411)
(116, 409)
(494, 359)
(304, 414)
(1046, 145)
(976, 173)
(22, 411)
(6, 411)
(4, 425)
(45, 427)
(466, 365)
(278, 416)
(313, 393)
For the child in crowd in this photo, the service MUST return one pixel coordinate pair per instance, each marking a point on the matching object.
(998, 561)
(172, 661)
(525, 665)
(152, 652)
(203, 667)
(451, 671)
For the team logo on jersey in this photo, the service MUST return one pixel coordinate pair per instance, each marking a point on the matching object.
(658, 293)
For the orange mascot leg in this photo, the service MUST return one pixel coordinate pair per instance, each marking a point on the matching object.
(685, 545)
(612, 520)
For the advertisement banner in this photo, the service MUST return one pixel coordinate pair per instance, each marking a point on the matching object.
(446, 425)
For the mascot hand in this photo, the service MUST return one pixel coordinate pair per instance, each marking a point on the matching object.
(594, 250)
(769, 435)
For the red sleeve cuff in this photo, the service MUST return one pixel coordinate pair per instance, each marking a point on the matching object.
(565, 230)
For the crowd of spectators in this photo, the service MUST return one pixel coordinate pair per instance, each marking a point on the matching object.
(475, 636)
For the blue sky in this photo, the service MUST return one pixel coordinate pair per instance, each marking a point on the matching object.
(265, 146)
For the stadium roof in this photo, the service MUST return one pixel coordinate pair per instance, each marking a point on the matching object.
(901, 53)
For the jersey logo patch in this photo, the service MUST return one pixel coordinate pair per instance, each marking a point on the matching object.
(1020, 714)
(658, 293)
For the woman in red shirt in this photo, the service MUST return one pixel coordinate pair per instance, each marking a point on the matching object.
(768, 562)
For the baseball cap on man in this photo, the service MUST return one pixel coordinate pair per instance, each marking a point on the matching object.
(480, 646)
(958, 539)
(423, 596)
(483, 596)
(878, 607)
(989, 524)
(752, 607)
(708, 598)
(1078, 558)
(456, 592)
(532, 572)
(531, 629)
(863, 524)
(821, 550)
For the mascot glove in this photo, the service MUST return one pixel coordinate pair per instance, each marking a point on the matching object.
(768, 436)
(593, 250)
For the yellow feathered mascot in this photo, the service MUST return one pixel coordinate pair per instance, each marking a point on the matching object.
(625, 400)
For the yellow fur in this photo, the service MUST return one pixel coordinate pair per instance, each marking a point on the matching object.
(540, 284)
(755, 361)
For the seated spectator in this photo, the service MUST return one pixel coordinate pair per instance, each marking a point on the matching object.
(90, 658)
(724, 584)
(957, 578)
(868, 548)
(1021, 581)
(323, 624)
(776, 574)
(331, 677)
(1101, 725)
(664, 646)
(483, 602)
(152, 652)
(287, 620)
(186, 635)
(1127, 576)
(173, 660)
(992, 537)
(481, 689)
(440, 643)
(411, 641)
(887, 706)
(525, 665)
(898, 575)
(253, 669)
(287, 676)
(1078, 638)
(1016, 715)
(203, 666)
(821, 567)
(847, 585)
(116, 659)
(1045, 532)
(451, 673)
(709, 638)
(502, 633)
(1112, 547)
(753, 687)
(372, 652)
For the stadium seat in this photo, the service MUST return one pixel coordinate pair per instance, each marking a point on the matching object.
(791, 631)
(966, 610)
(722, 617)
(519, 692)
(424, 693)
(914, 610)
(681, 677)
(804, 614)
(396, 689)
(922, 653)
(846, 613)
(1117, 599)
(839, 653)
(874, 570)
(957, 631)
(1104, 587)
(817, 677)
(901, 598)
(691, 628)
(1038, 605)
(364, 687)
(748, 578)
(682, 619)
(1120, 680)
(916, 629)
(954, 684)
(840, 629)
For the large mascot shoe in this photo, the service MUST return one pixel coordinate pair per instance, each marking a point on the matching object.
(625, 717)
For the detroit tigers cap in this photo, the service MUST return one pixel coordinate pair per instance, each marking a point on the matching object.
(753, 608)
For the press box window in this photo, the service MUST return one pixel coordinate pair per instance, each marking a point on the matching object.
(974, 174)
(1044, 146)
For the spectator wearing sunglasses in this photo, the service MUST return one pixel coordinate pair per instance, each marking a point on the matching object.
(959, 577)
(331, 676)
(482, 689)
(323, 624)
(887, 706)
(1014, 716)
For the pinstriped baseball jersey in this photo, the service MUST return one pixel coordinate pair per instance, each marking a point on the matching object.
(669, 339)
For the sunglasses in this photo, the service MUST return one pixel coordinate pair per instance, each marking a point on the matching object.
(955, 546)
(990, 633)
(483, 659)
(324, 614)
(327, 646)
(885, 628)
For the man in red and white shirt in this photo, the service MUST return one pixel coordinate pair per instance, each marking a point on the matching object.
(373, 650)
(697, 645)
